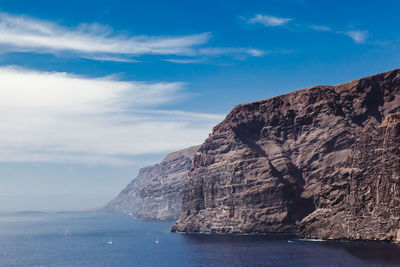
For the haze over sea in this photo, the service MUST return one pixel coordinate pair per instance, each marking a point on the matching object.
(83, 239)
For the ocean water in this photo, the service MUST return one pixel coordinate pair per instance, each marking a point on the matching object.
(83, 239)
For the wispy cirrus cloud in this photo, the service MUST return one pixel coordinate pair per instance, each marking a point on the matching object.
(256, 52)
(215, 54)
(221, 51)
(95, 41)
(358, 36)
(186, 60)
(268, 21)
(62, 117)
(113, 59)
(29, 34)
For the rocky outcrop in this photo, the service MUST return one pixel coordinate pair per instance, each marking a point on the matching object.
(156, 193)
(322, 161)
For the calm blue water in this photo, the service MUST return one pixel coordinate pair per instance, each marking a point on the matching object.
(81, 239)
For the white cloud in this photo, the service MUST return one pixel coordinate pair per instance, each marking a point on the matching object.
(94, 41)
(359, 37)
(27, 34)
(237, 53)
(185, 60)
(206, 53)
(61, 117)
(220, 51)
(268, 21)
(256, 52)
(114, 59)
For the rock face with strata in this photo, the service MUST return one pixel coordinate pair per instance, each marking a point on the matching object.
(363, 202)
(322, 161)
(156, 193)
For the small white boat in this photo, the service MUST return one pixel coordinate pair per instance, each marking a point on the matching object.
(156, 241)
(110, 242)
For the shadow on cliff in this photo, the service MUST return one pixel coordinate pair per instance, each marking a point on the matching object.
(298, 208)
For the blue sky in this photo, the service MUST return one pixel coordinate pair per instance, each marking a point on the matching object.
(93, 90)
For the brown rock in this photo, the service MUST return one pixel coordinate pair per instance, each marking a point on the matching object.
(156, 193)
(323, 161)
(369, 206)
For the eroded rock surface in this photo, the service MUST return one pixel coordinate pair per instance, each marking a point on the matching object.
(156, 193)
(367, 205)
(322, 161)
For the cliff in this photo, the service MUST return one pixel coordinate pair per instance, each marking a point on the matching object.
(156, 193)
(322, 161)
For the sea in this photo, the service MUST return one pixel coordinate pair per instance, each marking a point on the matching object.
(97, 239)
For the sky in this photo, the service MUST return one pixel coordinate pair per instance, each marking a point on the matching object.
(91, 91)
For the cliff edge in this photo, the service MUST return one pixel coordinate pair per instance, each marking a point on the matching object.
(322, 161)
(156, 193)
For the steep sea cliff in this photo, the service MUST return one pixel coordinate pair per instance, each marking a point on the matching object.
(156, 193)
(323, 161)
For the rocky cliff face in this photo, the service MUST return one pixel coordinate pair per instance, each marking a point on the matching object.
(367, 204)
(156, 193)
(322, 161)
